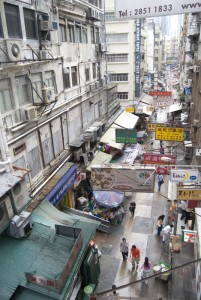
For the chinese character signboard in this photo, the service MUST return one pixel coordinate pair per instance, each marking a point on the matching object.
(161, 94)
(123, 179)
(188, 194)
(137, 58)
(189, 236)
(126, 136)
(184, 175)
(165, 170)
(130, 109)
(152, 126)
(156, 159)
(169, 134)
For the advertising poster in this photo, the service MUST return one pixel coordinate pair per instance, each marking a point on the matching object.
(123, 179)
(188, 194)
(156, 159)
(184, 176)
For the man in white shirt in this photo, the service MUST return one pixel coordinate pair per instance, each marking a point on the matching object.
(166, 231)
(184, 206)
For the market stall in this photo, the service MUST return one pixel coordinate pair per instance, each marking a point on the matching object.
(161, 270)
(109, 206)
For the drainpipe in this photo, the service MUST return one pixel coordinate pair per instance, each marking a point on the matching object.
(4, 149)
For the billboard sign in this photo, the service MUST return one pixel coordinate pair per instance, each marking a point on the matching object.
(161, 94)
(130, 109)
(126, 136)
(189, 236)
(145, 8)
(137, 58)
(184, 176)
(169, 134)
(188, 194)
(156, 159)
(123, 179)
(152, 126)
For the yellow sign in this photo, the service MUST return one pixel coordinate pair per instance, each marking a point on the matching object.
(152, 126)
(130, 109)
(189, 194)
(169, 134)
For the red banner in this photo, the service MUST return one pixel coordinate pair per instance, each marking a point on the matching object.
(155, 159)
(165, 170)
(163, 94)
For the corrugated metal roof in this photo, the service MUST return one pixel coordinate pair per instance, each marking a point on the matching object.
(101, 158)
(42, 252)
(8, 180)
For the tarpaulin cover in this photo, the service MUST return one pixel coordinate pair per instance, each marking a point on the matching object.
(109, 198)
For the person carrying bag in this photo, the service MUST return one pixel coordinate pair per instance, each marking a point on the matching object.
(160, 181)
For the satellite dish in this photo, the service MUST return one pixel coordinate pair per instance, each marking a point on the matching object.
(15, 50)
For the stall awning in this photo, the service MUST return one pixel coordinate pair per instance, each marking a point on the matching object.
(100, 159)
(126, 120)
(109, 137)
(146, 100)
(175, 107)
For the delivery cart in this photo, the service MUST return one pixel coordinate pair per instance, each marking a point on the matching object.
(160, 268)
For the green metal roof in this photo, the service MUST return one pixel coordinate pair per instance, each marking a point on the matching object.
(42, 252)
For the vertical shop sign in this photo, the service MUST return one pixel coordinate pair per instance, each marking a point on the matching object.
(137, 57)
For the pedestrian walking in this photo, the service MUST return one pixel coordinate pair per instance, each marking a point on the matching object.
(160, 224)
(151, 142)
(162, 150)
(124, 248)
(160, 181)
(146, 269)
(135, 255)
(184, 206)
(161, 143)
(132, 208)
(166, 231)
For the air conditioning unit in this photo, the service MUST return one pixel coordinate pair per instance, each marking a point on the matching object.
(48, 25)
(102, 82)
(14, 49)
(196, 69)
(48, 94)
(77, 154)
(103, 47)
(20, 225)
(92, 87)
(97, 83)
(194, 47)
(20, 196)
(91, 13)
(66, 3)
(97, 48)
(30, 113)
(195, 123)
(6, 212)
(44, 54)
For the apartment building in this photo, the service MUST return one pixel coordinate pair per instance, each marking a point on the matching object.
(125, 55)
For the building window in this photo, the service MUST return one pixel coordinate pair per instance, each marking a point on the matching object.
(67, 78)
(71, 33)
(37, 85)
(1, 29)
(92, 35)
(120, 57)
(117, 38)
(78, 33)
(122, 95)
(97, 35)
(109, 16)
(84, 34)
(87, 72)
(30, 23)
(6, 101)
(13, 20)
(50, 79)
(62, 33)
(22, 90)
(94, 70)
(98, 70)
(74, 75)
(119, 77)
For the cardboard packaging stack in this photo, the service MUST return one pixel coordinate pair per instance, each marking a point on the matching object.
(176, 243)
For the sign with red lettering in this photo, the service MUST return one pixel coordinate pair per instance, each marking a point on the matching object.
(161, 94)
(155, 159)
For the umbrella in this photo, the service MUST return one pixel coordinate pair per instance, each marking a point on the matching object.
(109, 198)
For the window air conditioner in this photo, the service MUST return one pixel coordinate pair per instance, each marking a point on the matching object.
(196, 69)
(48, 25)
(97, 48)
(44, 54)
(77, 154)
(20, 225)
(48, 94)
(30, 113)
(20, 196)
(103, 47)
(92, 87)
(97, 83)
(14, 49)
